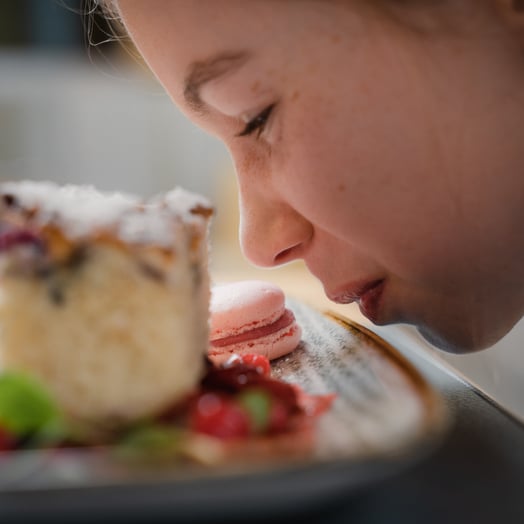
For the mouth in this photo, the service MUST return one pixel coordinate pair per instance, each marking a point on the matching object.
(368, 295)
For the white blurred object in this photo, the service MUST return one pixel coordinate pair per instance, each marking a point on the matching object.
(64, 119)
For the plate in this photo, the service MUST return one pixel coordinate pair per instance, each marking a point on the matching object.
(384, 418)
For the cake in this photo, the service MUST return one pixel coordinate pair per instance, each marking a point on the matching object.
(104, 297)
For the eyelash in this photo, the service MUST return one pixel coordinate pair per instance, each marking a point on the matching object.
(258, 123)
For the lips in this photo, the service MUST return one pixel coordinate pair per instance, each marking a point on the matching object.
(367, 294)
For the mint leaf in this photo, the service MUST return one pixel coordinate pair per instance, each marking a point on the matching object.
(257, 403)
(154, 441)
(25, 406)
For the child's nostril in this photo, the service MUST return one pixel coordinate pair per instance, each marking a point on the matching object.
(283, 256)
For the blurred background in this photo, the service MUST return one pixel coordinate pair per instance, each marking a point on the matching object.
(77, 106)
(74, 111)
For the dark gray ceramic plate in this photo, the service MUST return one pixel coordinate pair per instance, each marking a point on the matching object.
(385, 417)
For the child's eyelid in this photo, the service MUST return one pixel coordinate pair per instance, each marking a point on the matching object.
(257, 122)
(249, 116)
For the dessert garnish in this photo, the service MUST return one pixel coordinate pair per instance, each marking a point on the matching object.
(235, 403)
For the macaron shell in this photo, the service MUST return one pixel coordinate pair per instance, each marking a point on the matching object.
(272, 346)
(238, 307)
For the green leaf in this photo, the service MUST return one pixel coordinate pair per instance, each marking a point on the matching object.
(25, 406)
(257, 403)
(155, 441)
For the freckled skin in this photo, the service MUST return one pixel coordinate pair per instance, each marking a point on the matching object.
(393, 151)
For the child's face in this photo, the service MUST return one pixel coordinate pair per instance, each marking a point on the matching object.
(380, 155)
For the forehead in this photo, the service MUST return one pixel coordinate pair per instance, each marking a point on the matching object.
(191, 30)
(267, 39)
(197, 26)
(175, 36)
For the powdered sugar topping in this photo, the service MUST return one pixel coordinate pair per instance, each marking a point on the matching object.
(81, 211)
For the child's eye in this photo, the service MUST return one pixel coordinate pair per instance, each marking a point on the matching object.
(258, 123)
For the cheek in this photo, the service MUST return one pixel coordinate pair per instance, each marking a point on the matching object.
(374, 183)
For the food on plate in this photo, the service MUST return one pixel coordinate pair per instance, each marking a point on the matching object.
(237, 411)
(27, 411)
(251, 316)
(104, 333)
(104, 297)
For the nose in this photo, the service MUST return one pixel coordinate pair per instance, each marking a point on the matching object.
(272, 232)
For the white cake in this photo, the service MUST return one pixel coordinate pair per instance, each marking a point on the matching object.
(104, 297)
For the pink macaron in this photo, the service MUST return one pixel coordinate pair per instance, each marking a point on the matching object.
(250, 316)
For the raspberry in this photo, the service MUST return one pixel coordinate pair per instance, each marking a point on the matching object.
(259, 362)
(278, 417)
(219, 416)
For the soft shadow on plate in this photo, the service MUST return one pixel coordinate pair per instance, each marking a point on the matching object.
(385, 417)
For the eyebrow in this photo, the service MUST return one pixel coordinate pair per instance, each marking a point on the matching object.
(203, 71)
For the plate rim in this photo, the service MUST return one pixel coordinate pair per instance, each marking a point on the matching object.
(439, 418)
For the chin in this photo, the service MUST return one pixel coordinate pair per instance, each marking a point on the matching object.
(461, 341)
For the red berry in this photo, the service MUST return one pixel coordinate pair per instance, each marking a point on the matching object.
(7, 441)
(219, 416)
(16, 237)
(259, 362)
(233, 360)
(278, 417)
(315, 405)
